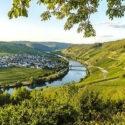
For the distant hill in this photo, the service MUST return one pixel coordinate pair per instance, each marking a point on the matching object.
(10, 47)
(31, 47)
(56, 45)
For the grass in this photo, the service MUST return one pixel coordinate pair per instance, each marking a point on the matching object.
(114, 90)
(11, 75)
(96, 74)
(4, 54)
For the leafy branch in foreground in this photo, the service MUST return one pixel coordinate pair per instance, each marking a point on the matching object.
(75, 11)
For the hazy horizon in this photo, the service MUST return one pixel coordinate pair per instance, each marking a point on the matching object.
(61, 42)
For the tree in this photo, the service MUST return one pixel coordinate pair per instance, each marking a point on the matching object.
(75, 11)
(20, 94)
(4, 98)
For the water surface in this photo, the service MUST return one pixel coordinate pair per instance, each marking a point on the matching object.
(76, 72)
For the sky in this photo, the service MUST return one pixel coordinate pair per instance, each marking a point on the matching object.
(33, 29)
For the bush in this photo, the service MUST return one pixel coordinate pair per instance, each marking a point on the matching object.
(123, 76)
(38, 111)
(91, 105)
(4, 98)
(19, 84)
(20, 94)
(67, 105)
(81, 79)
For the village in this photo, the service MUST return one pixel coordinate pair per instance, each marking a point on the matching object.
(26, 60)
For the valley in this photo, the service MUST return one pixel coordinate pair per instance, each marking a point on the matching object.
(52, 76)
(21, 69)
(96, 96)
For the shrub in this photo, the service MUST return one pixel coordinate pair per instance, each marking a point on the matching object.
(4, 98)
(91, 105)
(123, 76)
(20, 94)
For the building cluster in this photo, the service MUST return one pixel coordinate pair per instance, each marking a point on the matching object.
(19, 60)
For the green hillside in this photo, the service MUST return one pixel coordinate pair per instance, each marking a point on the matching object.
(21, 47)
(56, 45)
(45, 46)
(106, 64)
(16, 48)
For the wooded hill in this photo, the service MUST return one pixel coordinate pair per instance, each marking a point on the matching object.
(20, 47)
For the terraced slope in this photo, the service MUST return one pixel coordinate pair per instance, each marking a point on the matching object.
(106, 62)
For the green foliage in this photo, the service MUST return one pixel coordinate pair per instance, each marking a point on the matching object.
(4, 98)
(37, 110)
(20, 94)
(19, 8)
(75, 11)
(92, 106)
(96, 45)
(123, 76)
(67, 105)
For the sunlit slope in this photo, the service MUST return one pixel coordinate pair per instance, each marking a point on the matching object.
(106, 63)
(110, 56)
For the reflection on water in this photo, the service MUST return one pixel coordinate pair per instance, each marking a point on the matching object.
(73, 75)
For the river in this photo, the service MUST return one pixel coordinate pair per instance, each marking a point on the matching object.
(75, 73)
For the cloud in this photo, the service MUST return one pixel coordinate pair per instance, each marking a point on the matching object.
(107, 36)
(116, 25)
(104, 36)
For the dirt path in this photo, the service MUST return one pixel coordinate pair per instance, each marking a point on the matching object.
(87, 85)
(104, 71)
(92, 83)
(101, 81)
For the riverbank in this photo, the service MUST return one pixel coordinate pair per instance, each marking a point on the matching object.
(85, 64)
(72, 76)
(39, 81)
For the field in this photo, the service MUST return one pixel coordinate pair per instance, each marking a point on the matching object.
(114, 90)
(10, 75)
